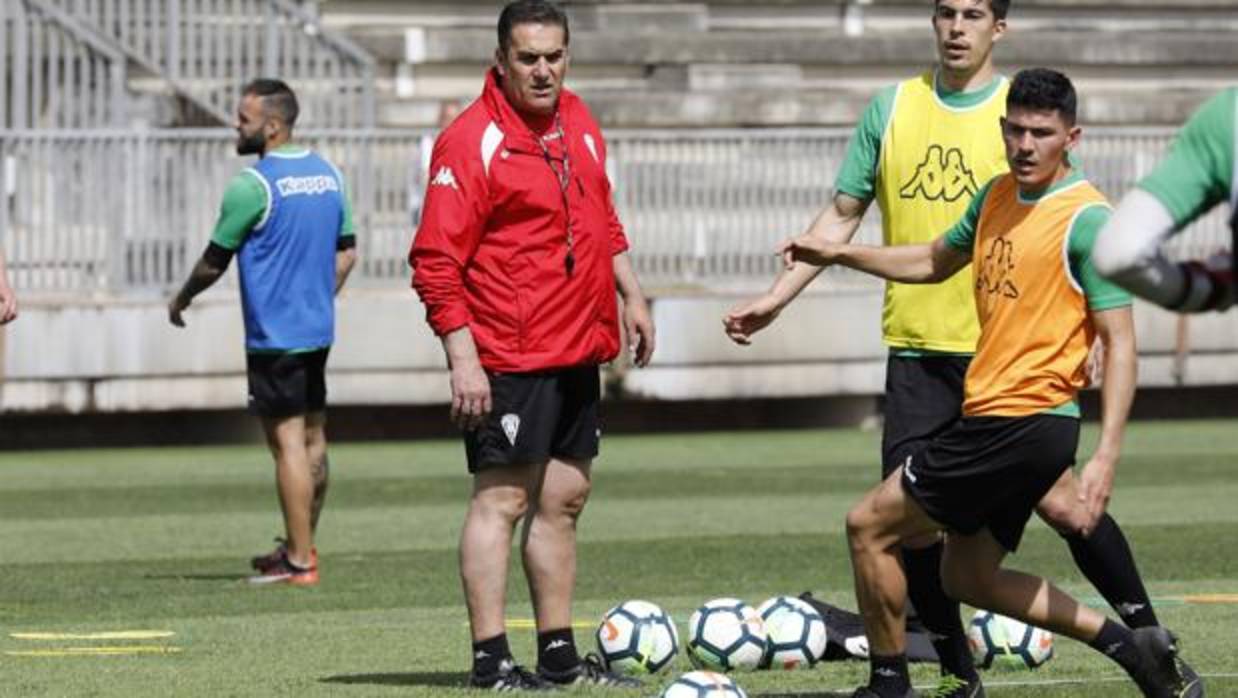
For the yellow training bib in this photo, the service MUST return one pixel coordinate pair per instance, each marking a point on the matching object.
(934, 159)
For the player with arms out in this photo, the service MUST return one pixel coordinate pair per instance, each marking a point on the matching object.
(1028, 235)
(1200, 173)
(922, 150)
(288, 221)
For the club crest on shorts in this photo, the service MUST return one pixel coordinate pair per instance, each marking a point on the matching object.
(511, 426)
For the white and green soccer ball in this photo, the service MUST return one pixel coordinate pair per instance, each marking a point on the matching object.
(704, 684)
(726, 635)
(1005, 643)
(637, 637)
(795, 633)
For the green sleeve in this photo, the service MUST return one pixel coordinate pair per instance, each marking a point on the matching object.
(244, 204)
(1199, 171)
(963, 235)
(1101, 293)
(858, 176)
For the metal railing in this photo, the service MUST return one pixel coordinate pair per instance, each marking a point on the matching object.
(127, 212)
(59, 75)
(206, 49)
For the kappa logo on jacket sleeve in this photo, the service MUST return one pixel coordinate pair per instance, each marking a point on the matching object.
(444, 178)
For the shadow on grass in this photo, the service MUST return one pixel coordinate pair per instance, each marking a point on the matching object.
(197, 577)
(411, 678)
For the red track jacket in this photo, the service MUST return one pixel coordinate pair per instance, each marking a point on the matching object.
(490, 250)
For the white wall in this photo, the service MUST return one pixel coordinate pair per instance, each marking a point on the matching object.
(77, 356)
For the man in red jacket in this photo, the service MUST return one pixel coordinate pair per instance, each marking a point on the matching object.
(517, 260)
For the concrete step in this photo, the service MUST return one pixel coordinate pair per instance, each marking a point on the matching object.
(808, 107)
(623, 15)
(1064, 49)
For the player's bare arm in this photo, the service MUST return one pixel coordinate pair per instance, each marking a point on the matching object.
(637, 321)
(1116, 330)
(204, 274)
(909, 264)
(8, 299)
(345, 260)
(470, 387)
(837, 222)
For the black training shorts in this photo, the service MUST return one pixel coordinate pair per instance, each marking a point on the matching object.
(538, 416)
(923, 397)
(286, 385)
(991, 472)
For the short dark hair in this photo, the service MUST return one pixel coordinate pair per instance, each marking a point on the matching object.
(277, 97)
(1000, 7)
(530, 12)
(1043, 89)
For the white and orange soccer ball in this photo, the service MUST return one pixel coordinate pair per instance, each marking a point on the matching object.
(637, 637)
(726, 635)
(795, 633)
(1005, 643)
(704, 684)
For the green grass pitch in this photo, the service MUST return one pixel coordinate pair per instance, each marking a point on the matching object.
(158, 540)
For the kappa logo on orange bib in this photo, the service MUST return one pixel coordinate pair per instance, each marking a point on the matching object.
(997, 268)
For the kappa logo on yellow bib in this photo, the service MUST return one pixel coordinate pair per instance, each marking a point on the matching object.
(943, 175)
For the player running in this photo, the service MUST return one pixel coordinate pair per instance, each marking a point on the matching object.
(922, 151)
(1028, 235)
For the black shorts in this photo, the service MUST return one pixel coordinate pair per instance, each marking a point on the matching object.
(991, 472)
(286, 385)
(538, 416)
(924, 396)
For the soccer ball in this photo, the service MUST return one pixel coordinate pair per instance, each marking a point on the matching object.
(795, 633)
(637, 637)
(726, 634)
(1005, 643)
(704, 684)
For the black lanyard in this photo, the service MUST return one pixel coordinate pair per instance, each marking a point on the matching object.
(564, 175)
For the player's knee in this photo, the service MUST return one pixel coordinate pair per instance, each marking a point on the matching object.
(572, 503)
(861, 527)
(1060, 516)
(507, 503)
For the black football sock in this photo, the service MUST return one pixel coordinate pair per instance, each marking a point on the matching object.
(488, 654)
(888, 676)
(556, 651)
(1105, 559)
(1117, 642)
(938, 612)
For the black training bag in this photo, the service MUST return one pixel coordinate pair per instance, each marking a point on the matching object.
(845, 639)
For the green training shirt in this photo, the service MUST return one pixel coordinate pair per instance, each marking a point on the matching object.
(1199, 171)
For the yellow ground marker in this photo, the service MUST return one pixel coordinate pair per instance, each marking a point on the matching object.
(1211, 598)
(95, 651)
(107, 635)
(530, 624)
